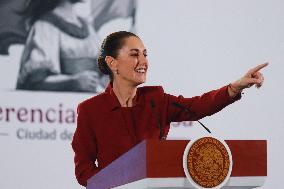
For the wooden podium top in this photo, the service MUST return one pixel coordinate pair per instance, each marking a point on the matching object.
(163, 159)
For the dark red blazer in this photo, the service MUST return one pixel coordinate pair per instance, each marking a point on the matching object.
(105, 130)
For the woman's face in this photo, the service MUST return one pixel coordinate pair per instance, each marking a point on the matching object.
(131, 62)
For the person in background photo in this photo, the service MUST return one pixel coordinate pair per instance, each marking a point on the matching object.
(61, 49)
(111, 123)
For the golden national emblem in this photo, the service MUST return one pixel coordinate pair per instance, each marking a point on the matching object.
(208, 162)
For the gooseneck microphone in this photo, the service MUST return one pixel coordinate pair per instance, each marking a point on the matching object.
(184, 108)
(152, 104)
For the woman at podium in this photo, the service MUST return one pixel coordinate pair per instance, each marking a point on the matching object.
(111, 123)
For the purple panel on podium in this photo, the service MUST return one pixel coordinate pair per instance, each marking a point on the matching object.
(123, 167)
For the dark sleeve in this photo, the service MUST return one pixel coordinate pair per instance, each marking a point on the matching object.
(191, 109)
(85, 147)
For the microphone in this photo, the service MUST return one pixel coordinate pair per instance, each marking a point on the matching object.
(152, 104)
(184, 108)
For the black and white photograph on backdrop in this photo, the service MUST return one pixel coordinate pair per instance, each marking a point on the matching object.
(61, 47)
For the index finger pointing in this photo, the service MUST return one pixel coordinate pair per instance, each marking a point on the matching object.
(257, 68)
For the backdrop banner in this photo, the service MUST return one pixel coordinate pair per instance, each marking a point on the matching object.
(193, 47)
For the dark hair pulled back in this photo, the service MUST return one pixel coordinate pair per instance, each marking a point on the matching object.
(110, 47)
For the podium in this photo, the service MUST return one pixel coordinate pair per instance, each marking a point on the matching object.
(154, 164)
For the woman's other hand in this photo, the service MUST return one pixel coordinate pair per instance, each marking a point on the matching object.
(87, 81)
